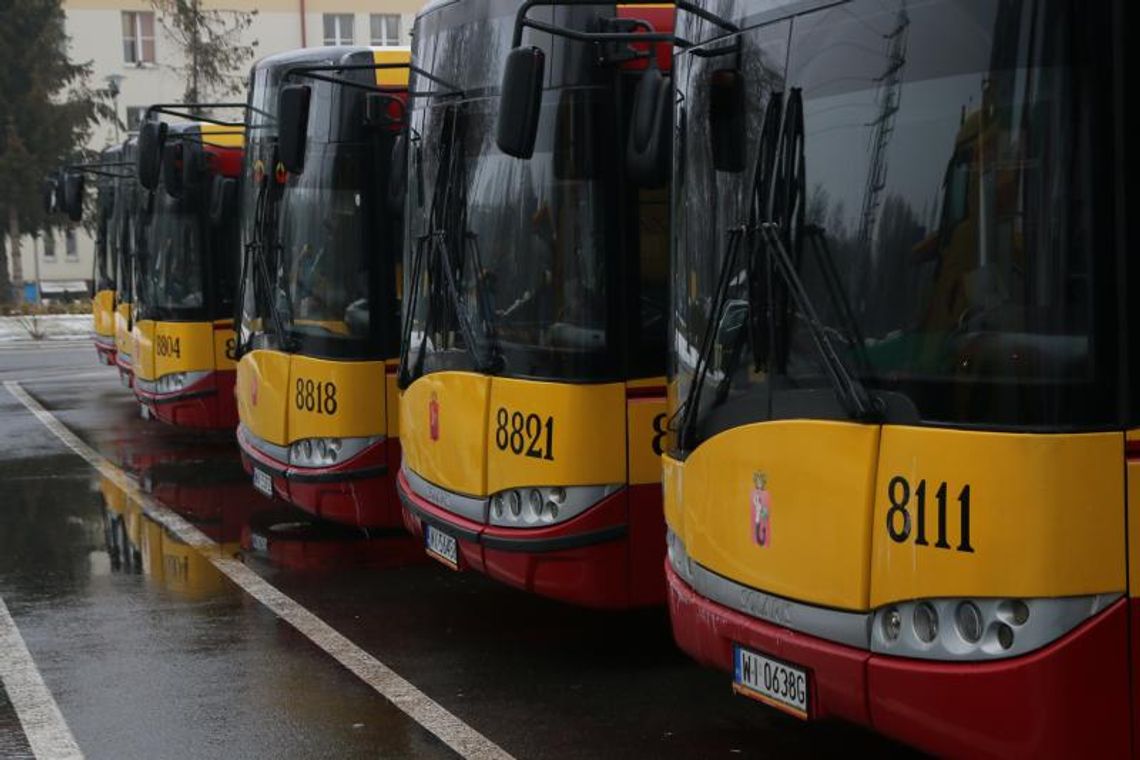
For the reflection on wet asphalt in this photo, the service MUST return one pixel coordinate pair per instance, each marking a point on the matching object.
(151, 652)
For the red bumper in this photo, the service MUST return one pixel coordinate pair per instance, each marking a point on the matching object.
(1070, 698)
(608, 557)
(209, 403)
(359, 491)
(126, 369)
(106, 353)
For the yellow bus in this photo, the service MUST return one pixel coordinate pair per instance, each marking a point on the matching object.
(901, 461)
(319, 299)
(183, 341)
(532, 389)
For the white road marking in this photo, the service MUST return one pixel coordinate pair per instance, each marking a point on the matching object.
(421, 708)
(47, 731)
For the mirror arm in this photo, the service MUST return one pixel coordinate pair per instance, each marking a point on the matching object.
(522, 21)
(309, 71)
(709, 16)
(179, 110)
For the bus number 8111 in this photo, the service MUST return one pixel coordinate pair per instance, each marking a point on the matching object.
(900, 526)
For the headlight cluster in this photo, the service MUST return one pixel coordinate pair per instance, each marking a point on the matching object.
(323, 452)
(543, 505)
(177, 381)
(978, 629)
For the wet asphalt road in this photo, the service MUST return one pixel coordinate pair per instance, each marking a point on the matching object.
(150, 652)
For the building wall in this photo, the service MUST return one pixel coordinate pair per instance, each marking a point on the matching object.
(96, 33)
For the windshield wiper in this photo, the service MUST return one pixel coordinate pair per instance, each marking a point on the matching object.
(255, 256)
(433, 253)
(778, 198)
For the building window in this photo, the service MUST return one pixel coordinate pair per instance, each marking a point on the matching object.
(135, 117)
(71, 244)
(338, 29)
(138, 37)
(385, 29)
(49, 245)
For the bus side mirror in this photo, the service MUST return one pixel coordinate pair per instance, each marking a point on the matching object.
(520, 101)
(398, 175)
(193, 164)
(73, 184)
(172, 162)
(726, 120)
(48, 195)
(152, 135)
(223, 198)
(293, 126)
(650, 144)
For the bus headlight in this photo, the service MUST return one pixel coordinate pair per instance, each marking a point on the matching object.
(173, 382)
(325, 452)
(537, 506)
(979, 629)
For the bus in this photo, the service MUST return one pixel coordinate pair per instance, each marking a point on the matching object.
(127, 224)
(183, 340)
(319, 301)
(532, 376)
(103, 304)
(901, 463)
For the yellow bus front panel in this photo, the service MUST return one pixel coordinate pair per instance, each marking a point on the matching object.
(965, 513)
(781, 506)
(284, 398)
(103, 314)
(443, 419)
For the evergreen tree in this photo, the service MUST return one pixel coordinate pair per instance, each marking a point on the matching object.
(214, 58)
(47, 110)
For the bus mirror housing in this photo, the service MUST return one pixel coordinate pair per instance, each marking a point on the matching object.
(193, 164)
(293, 126)
(152, 135)
(650, 145)
(398, 175)
(520, 101)
(73, 184)
(49, 194)
(726, 120)
(223, 197)
(172, 161)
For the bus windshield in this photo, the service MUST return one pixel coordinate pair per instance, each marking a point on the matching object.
(943, 229)
(320, 247)
(322, 280)
(173, 268)
(510, 268)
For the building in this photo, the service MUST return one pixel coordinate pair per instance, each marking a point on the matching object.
(128, 47)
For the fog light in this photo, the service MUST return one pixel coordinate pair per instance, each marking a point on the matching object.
(499, 506)
(892, 624)
(925, 623)
(558, 494)
(969, 620)
(551, 511)
(1004, 635)
(307, 448)
(322, 448)
(1020, 612)
(516, 503)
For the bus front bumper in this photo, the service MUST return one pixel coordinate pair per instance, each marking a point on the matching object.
(608, 557)
(1069, 698)
(106, 349)
(207, 403)
(358, 491)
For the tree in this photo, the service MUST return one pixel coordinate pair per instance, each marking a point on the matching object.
(47, 110)
(213, 54)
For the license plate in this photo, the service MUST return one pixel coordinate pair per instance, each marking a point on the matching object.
(770, 681)
(259, 543)
(441, 546)
(263, 482)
